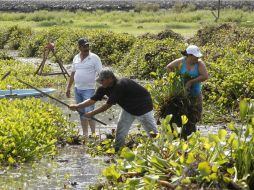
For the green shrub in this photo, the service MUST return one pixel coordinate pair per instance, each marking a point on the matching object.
(139, 7)
(163, 35)
(16, 34)
(169, 97)
(149, 55)
(5, 56)
(12, 36)
(25, 72)
(110, 46)
(30, 129)
(222, 35)
(231, 76)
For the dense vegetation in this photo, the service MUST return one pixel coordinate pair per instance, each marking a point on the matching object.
(185, 20)
(26, 73)
(31, 129)
(228, 54)
(223, 160)
(216, 161)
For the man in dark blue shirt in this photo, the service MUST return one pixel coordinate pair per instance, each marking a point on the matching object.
(134, 99)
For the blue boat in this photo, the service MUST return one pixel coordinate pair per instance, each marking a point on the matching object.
(22, 93)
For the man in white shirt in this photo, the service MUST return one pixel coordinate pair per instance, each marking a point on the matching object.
(86, 65)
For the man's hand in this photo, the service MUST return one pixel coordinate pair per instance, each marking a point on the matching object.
(68, 93)
(73, 107)
(89, 114)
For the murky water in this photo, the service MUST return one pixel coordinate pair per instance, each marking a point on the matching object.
(71, 168)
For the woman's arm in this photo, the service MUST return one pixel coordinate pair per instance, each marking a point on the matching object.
(203, 75)
(174, 64)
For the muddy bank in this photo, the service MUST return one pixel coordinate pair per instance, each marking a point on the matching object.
(90, 5)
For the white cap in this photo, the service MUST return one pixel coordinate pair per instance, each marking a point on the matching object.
(194, 50)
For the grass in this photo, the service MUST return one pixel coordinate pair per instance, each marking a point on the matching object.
(184, 22)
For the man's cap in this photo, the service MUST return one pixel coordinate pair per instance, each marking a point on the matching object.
(193, 50)
(83, 42)
(105, 74)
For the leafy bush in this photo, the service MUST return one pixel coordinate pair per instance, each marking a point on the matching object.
(110, 46)
(30, 129)
(25, 72)
(169, 96)
(4, 56)
(222, 35)
(163, 35)
(150, 55)
(139, 7)
(231, 77)
(15, 35)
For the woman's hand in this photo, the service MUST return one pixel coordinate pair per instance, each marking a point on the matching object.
(189, 84)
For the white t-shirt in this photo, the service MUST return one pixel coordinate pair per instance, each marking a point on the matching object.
(86, 71)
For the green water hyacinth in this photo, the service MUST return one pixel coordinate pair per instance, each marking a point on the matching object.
(219, 161)
(25, 71)
(30, 129)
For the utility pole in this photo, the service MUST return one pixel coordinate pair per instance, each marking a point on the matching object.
(218, 13)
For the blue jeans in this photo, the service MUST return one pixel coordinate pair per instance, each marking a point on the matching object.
(124, 123)
(82, 95)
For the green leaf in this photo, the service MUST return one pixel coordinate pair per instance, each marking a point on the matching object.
(215, 168)
(151, 178)
(222, 134)
(231, 126)
(243, 108)
(133, 182)
(110, 151)
(127, 154)
(111, 173)
(186, 181)
(184, 119)
(155, 159)
(153, 74)
(204, 168)
(231, 171)
(231, 138)
(11, 160)
(214, 138)
(190, 158)
(213, 177)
